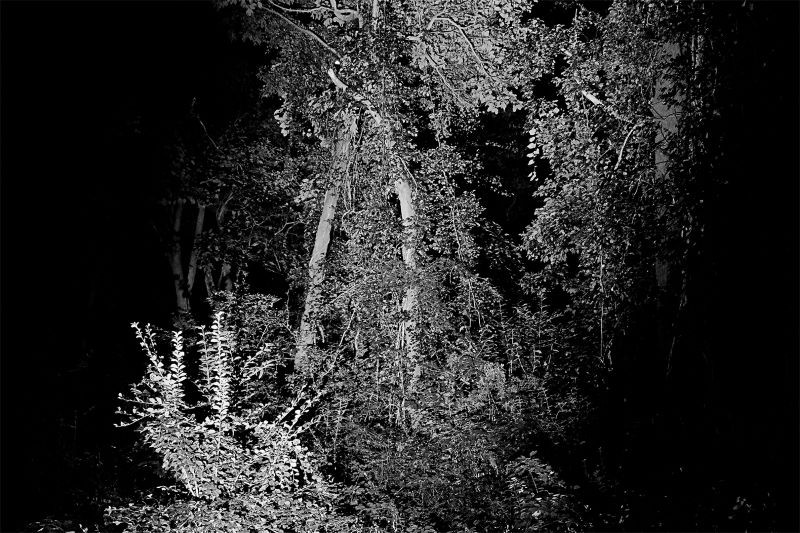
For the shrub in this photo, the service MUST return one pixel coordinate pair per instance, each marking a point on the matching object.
(236, 467)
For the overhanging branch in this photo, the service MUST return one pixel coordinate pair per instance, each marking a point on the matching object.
(304, 31)
(463, 33)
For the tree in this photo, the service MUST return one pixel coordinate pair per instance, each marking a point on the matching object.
(444, 388)
(231, 202)
(457, 60)
(626, 178)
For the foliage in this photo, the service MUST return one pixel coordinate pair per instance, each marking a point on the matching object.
(449, 413)
(236, 469)
(544, 502)
(619, 205)
(252, 177)
(398, 75)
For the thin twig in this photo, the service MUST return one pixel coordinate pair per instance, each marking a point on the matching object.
(205, 130)
(624, 143)
(349, 323)
(137, 402)
(129, 424)
(444, 80)
(465, 36)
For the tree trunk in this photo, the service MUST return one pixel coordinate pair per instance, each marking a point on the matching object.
(316, 274)
(198, 231)
(403, 190)
(174, 255)
(209, 280)
(408, 337)
(666, 114)
(225, 278)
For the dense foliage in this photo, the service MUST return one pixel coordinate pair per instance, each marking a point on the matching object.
(448, 252)
(437, 377)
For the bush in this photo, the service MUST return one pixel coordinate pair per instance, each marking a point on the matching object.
(236, 467)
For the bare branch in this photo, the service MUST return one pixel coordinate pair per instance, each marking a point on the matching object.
(223, 208)
(464, 35)
(433, 20)
(444, 80)
(624, 143)
(133, 423)
(357, 97)
(336, 81)
(605, 105)
(592, 98)
(298, 10)
(304, 31)
(205, 130)
(145, 404)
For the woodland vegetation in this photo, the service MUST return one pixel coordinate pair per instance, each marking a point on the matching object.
(462, 265)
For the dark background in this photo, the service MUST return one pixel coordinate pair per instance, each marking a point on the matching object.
(91, 93)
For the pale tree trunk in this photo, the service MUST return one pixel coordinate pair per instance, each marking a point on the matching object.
(666, 114)
(174, 255)
(183, 280)
(316, 273)
(407, 337)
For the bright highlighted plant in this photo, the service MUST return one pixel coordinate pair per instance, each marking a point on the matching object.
(236, 468)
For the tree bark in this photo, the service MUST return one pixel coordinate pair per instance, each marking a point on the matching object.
(408, 337)
(410, 299)
(198, 231)
(174, 255)
(226, 278)
(209, 281)
(666, 114)
(316, 273)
